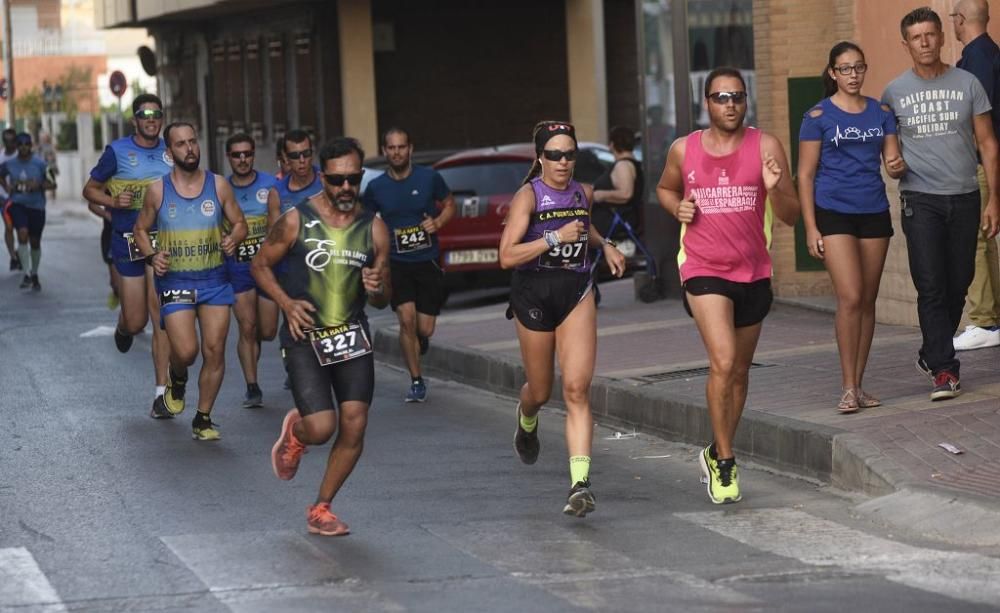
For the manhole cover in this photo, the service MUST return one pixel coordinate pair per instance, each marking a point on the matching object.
(687, 373)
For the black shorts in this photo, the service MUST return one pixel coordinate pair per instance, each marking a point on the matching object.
(419, 282)
(106, 243)
(751, 301)
(33, 220)
(860, 225)
(541, 300)
(314, 387)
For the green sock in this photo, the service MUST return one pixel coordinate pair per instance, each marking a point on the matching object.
(579, 468)
(36, 257)
(528, 424)
(24, 254)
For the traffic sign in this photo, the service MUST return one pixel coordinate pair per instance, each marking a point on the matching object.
(117, 83)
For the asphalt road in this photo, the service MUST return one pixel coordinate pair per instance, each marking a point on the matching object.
(105, 509)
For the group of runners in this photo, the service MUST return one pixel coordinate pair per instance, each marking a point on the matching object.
(190, 245)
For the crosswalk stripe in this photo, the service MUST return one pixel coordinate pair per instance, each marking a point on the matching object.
(795, 534)
(23, 584)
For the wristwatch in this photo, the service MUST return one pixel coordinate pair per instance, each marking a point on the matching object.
(149, 259)
(608, 241)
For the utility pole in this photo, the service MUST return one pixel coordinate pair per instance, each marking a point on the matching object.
(8, 63)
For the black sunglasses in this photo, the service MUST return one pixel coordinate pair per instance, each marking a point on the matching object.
(554, 155)
(294, 155)
(149, 114)
(241, 155)
(723, 98)
(352, 179)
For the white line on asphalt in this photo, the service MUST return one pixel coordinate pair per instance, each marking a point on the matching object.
(23, 584)
(99, 331)
(794, 534)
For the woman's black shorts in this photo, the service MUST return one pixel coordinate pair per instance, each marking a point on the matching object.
(751, 301)
(541, 300)
(860, 225)
(314, 387)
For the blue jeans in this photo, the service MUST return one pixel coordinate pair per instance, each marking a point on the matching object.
(941, 244)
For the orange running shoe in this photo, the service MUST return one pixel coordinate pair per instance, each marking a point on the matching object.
(319, 520)
(287, 452)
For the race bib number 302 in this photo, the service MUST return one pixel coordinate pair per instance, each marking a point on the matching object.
(566, 255)
(339, 343)
(248, 248)
(178, 296)
(134, 254)
(413, 238)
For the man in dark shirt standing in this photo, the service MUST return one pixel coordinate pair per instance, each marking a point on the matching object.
(981, 57)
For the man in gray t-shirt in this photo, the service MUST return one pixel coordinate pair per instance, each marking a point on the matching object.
(943, 115)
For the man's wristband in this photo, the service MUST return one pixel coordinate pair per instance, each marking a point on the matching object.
(149, 259)
(551, 238)
(608, 241)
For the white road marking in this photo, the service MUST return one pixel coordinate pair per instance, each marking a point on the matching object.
(794, 534)
(99, 331)
(24, 585)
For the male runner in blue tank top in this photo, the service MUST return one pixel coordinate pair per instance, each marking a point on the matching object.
(250, 188)
(118, 182)
(190, 207)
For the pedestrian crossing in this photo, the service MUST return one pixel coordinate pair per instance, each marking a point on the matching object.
(290, 571)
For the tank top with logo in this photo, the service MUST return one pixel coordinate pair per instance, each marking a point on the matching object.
(191, 232)
(730, 235)
(252, 200)
(289, 197)
(323, 267)
(136, 167)
(554, 208)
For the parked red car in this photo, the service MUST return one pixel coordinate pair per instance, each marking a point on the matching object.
(483, 182)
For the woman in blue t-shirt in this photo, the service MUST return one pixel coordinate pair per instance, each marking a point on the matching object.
(844, 206)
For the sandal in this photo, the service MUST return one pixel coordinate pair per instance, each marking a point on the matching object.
(866, 401)
(848, 402)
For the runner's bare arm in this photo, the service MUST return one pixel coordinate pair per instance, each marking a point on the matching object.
(987, 142)
(447, 208)
(380, 268)
(95, 191)
(273, 207)
(670, 188)
(147, 217)
(234, 215)
(783, 197)
(512, 251)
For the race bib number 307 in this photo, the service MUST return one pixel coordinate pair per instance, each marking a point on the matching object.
(413, 238)
(248, 248)
(339, 343)
(566, 255)
(134, 254)
(178, 296)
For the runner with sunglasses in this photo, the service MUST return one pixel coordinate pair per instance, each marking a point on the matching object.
(251, 189)
(118, 182)
(546, 240)
(300, 182)
(723, 184)
(336, 254)
(415, 203)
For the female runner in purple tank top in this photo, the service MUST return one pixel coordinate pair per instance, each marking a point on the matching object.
(546, 240)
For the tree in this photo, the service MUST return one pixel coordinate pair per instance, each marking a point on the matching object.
(29, 104)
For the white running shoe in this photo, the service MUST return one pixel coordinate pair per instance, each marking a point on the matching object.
(975, 337)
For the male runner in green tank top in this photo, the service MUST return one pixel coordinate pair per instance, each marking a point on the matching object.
(336, 258)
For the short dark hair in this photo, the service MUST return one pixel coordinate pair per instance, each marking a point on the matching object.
(279, 147)
(723, 71)
(240, 137)
(10, 132)
(396, 130)
(173, 126)
(142, 99)
(920, 15)
(295, 136)
(622, 138)
(338, 148)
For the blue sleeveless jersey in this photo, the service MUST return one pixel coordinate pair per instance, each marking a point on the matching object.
(290, 198)
(191, 232)
(253, 202)
(135, 168)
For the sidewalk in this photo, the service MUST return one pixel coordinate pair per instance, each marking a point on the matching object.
(651, 372)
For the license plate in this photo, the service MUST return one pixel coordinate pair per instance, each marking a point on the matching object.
(248, 248)
(472, 256)
(133, 250)
(339, 343)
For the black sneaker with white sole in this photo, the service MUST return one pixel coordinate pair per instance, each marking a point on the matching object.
(122, 341)
(580, 500)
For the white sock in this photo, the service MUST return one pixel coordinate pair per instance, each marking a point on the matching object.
(160, 389)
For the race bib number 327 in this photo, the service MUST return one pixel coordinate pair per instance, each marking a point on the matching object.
(413, 238)
(339, 343)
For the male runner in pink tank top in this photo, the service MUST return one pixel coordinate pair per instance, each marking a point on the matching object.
(716, 182)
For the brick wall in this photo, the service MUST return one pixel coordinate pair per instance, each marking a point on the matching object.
(29, 72)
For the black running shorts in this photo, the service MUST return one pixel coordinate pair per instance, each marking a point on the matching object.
(541, 300)
(751, 301)
(419, 282)
(314, 387)
(860, 225)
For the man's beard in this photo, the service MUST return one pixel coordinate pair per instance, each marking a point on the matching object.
(344, 205)
(188, 166)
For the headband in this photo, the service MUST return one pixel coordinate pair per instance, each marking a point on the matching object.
(547, 130)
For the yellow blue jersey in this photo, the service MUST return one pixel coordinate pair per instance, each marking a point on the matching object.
(190, 230)
(127, 166)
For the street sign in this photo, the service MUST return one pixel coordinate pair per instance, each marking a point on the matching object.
(117, 83)
(3, 89)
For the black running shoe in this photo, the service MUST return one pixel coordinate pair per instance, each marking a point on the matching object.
(254, 397)
(425, 344)
(25, 282)
(35, 285)
(159, 410)
(525, 443)
(15, 263)
(122, 341)
(581, 500)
